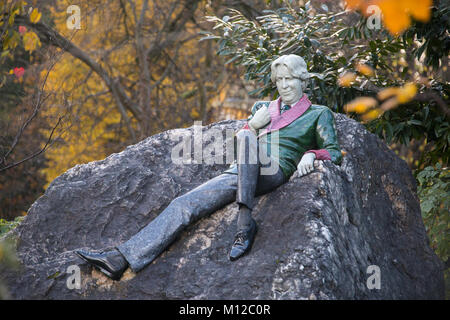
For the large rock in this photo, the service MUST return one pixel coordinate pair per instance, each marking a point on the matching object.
(319, 237)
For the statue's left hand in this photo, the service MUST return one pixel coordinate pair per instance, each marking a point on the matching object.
(260, 119)
(306, 165)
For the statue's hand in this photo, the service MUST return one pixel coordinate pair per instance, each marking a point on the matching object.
(306, 165)
(260, 119)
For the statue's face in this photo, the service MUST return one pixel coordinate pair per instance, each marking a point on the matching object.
(289, 88)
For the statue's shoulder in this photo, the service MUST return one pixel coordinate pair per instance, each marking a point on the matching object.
(319, 108)
(258, 105)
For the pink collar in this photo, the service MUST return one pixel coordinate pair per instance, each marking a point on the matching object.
(280, 121)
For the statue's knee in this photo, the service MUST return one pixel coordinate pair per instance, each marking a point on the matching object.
(247, 149)
(178, 201)
(180, 205)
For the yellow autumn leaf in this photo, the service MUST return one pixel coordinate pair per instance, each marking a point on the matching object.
(43, 73)
(347, 79)
(372, 114)
(396, 13)
(364, 69)
(194, 114)
(35, 16)
(420, 9)
(223, 94)
(406, 93)
(386, 93)
(12, 16)
(31, 41)
(360, 105)
(395, 17)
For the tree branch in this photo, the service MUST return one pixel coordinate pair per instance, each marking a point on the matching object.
(36, 109)
(49, 36)
(46, 146)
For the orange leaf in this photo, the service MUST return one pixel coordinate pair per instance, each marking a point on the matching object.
(364, 69)
(372, 114)
(360, 105)
(386, 93)
(347, 79)
(406, 93)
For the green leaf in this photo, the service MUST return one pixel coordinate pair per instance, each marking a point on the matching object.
(389, 132)
(415, 122)
(426, 206)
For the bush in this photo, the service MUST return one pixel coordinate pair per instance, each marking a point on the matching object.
(6, 225)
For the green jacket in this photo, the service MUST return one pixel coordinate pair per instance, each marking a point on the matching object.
(313, 131)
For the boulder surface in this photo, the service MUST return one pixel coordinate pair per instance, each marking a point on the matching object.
(352, 231)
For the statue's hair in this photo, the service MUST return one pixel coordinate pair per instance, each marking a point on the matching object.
(294, 63)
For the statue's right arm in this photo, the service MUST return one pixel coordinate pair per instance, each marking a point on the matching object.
(262, 117)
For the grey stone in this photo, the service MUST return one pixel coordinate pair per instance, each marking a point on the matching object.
(317, 235)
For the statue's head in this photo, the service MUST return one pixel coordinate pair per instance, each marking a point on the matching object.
(289, 73)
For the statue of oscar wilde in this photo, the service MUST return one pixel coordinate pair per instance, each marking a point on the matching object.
(303, 132)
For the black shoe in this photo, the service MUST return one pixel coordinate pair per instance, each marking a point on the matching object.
(111, 263)
(243, 241)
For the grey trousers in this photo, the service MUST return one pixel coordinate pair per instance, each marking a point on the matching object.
(142, 248)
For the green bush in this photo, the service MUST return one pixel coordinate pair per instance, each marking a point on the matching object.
(6, 225)
(8, 260)
(434, 194)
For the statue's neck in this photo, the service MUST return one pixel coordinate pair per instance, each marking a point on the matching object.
(290, 104)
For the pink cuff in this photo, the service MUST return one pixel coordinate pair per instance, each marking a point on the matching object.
(245, 127)
(321, 154)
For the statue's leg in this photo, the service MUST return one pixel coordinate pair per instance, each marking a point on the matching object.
(248, 167)
(147, 244)
(250, 175)
(268, 183)
(252, 180)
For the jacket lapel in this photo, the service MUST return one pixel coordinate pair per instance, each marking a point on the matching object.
(278, 121)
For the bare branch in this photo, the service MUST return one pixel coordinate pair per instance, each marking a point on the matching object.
(46, 146)
(172, 29)
(36, 109)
